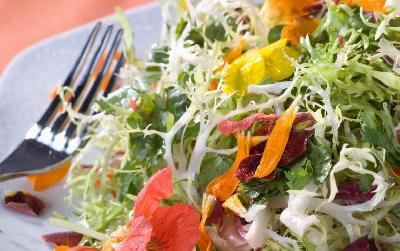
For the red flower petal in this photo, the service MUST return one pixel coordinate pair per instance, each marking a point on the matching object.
(175, 228)
(138, 237)
(24, 202)
(231, 126)
(158, 187)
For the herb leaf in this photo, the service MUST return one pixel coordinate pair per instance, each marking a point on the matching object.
(320, 158)
(299, 175)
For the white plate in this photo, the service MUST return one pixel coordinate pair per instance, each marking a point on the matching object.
(24, 95)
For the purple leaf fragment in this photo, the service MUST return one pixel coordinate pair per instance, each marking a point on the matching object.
(24, 202)
(349, 193)
(362, 244)
(69, 238)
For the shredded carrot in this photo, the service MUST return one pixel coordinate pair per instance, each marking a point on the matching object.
(373, 5)
(213, 85)
(43, 181)
(232, 55)
(225, 185)
(110, 174)
(205, 243)
(61, 248)
(276, 143)
(96, 182)
(299, 27)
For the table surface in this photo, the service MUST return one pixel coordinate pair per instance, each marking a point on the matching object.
(25, 22)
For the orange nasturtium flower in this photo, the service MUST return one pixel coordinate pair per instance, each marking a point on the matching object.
(225, 185)
(276, 143)
(277, 12)
(368, 5)
(299, 27)
(156, 227)
(43, 181)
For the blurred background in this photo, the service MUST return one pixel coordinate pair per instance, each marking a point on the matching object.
(25, 22)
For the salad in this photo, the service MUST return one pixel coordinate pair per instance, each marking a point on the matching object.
(250, 127)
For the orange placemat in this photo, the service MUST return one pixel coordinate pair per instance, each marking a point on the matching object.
(24, 22)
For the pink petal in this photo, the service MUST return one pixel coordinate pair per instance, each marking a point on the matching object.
(24, 203)
(230, 126)
(175, 228)
(138, 237)
(158, 187)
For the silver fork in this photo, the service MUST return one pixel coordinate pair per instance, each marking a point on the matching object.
(53, 139)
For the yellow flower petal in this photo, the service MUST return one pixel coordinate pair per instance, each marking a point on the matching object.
(256, 65)
(234, 204)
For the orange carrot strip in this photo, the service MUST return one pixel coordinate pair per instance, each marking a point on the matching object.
(235, 52)
(205, 243)
(225, 185)
(43, 181)
(213, 85)
(61, 248)
(276, 142)
(298, 28)
(232, 55)
(373, 5)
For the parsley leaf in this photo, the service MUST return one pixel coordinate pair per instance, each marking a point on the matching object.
(299, 175)
(215, 32)
(321, 163)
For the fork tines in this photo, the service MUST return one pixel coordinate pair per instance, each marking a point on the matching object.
(97, 65)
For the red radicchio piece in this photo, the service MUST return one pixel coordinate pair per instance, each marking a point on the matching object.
(398, 134)
(349, 193)
(217, 214)
(69, 238)
(230, 126)
(296, 146)
(298, 138)
(362, 244)
(24, 202)
(248, 167)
